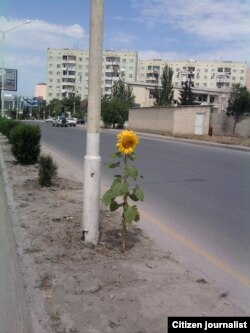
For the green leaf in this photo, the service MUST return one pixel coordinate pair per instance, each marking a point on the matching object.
(138, 193)
(115, 181)
(130, 213)
(120, 188)
(113, 165)
(132, 156)
(116, 155)
(137, 218)
(131, 171)
(114, 206)
(107, 198)
(133, 197)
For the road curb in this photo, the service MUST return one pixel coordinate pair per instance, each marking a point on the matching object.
(155, 136)
(29, 322)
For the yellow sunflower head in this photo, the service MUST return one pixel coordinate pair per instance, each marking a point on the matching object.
(127, 142)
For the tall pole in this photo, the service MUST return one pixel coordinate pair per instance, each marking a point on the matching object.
(3, 33)
(92, 160)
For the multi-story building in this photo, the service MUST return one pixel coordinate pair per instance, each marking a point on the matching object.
(40, 90)
(68, 71)
(201, 74)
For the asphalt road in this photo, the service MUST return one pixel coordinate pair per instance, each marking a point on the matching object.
(197, 199)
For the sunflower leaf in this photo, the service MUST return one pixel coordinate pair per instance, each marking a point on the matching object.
(130, 213)
(131, 171)
(119, 189)
(113, 165)
(116, 155)
(132, 156)
(133, 197)
(107, 198)
(138, 193)
(114, 206)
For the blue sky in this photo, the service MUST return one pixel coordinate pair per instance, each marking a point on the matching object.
(165, 29)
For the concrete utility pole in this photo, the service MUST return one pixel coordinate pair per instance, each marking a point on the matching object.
(92, 160)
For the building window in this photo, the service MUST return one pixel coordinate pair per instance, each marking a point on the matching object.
(242, 71)
(50, 58)
(50, 73)
(241, 78)
(206, 70)
(80, 58)
(58, 66)
(58, 73)
(131, 60)
(220, 69)
(130, 76)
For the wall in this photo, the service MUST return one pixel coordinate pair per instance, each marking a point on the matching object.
(223, 125)
(168, 120)
(185, 117)
(155, 120)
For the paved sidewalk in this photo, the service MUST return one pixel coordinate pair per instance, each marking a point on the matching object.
(13, 313)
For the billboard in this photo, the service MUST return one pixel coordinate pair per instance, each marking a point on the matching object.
(10, 79)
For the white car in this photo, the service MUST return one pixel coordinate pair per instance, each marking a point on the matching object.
(49, 120)
(71, 121)
(60, 121)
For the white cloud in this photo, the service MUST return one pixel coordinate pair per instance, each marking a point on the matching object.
(208, 21)
(38, 35)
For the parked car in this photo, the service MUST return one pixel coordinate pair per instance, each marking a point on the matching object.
(71, 121)
(60, 121)
(80, 121)
(49, 120)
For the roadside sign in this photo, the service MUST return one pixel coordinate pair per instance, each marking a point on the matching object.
(10, 79)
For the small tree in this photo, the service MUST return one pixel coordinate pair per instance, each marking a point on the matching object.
(123, 93)
(238, 103)
(186, 94)
(47, 170)
(115, 109)
(164, 96)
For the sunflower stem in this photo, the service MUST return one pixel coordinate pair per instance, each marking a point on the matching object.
(125, 201)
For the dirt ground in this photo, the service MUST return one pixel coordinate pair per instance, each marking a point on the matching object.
(72, 287)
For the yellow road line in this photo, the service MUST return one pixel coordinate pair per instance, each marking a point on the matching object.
(198, 250)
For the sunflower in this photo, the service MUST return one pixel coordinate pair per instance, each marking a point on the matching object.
(127, 142)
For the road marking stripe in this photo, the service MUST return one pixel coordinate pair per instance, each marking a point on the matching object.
(198, 250)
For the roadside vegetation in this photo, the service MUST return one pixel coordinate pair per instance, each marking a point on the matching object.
(114, 109)
(26, 148)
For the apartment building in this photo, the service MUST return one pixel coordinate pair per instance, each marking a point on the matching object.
(68, 71)
(202, 74)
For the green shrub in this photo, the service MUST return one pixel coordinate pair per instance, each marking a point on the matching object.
(47, 170)
(25, 141)
(7, 125)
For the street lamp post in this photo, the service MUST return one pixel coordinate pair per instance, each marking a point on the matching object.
(3, 33)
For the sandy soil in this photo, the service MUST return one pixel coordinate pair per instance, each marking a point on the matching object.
(72, 287)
